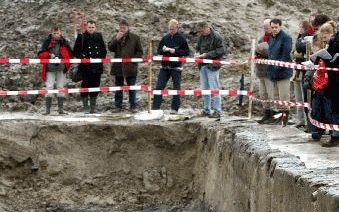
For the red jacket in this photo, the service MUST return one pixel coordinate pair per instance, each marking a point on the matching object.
(65, 52)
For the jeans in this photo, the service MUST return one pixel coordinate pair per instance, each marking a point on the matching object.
(119, 81)
(163, 78)
(209, 79)
(51, 78)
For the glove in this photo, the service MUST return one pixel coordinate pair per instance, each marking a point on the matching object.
(309, 65)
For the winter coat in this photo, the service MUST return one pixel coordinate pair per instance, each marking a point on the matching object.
(213, 46)
(176, 41)
(90, 46)
(128, 46)
(44, 53)
(280, 48)
(333, 79)
(261, 52)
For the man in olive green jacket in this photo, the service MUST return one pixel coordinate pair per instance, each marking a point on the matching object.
(210, 46)
(125, 44)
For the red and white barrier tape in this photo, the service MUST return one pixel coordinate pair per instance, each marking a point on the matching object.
(116, 60)
(301, 104)
(288, 65)
(198, 92)
(73, 90)
(285, 103)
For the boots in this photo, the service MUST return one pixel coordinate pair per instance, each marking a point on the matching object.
(60, 106)
(284, 118)
(48, 105)
(85, 104)
(92, 102)
(266, 117)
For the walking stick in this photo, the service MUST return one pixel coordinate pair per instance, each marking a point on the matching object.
(251, 79)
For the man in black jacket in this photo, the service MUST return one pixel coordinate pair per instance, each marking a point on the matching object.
(90, 45)
(172, 44)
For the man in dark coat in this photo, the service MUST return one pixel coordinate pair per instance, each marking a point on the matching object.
(173, 44)
(90, 44)
(55, 47)
(125, 44)
(280, 47)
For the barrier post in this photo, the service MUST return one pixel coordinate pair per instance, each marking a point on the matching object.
(309, 92)
(250, 102)
(149, 93)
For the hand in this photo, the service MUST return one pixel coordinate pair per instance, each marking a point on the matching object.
(196, 55)
(171, 50)
(204, 55)
(164, 48)
(119, 35)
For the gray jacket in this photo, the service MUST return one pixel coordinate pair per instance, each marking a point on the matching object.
(261, 53)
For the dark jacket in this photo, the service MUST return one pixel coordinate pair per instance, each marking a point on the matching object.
(128, 46)
(179, 43)
(213, 46)
(90, 46)
(44, 53)
(300, 47)
(333, 76)
(280, 48)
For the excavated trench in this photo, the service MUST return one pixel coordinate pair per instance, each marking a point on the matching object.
(128, 165)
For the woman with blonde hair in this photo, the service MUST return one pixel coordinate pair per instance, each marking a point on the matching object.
(327, 31)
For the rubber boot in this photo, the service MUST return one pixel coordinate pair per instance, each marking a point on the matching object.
(266, 117)
(48, 105)
(284, 118)
(92, 103)
(60, 106)
(85, 104)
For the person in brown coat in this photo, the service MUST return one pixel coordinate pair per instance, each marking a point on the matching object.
(125, 44)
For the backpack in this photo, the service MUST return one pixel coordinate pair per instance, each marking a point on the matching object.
(320, 77)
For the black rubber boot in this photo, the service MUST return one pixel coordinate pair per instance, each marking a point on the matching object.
(48, 105)
(92, 103)
(61, 105)
(266, 117)
(85, 104)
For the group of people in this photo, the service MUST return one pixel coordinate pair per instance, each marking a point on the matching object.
(274, 81)
(126, 44)
(318, 40)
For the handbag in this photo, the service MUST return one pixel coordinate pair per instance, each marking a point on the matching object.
(75, 73)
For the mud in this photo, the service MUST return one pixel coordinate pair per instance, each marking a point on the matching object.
(108, 164)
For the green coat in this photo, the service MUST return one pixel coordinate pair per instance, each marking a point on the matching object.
(128, 46)
(213, 46)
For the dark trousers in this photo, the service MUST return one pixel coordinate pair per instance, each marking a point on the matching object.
(163, 78)
(119, 81)
(90, 80)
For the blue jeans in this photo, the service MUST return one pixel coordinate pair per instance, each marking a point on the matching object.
(119, 81)
(163, 78)
(209, 79)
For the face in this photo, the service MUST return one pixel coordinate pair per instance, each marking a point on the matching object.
(204, 30)
(325, 37)
(172, 29)
(56, 34)
(267, 28)
(301, 29)
(275, 28)
(123, 28)
(91, 28)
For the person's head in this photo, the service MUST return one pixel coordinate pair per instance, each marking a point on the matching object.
(56, 33)
(204, 28)
(123, 26)
(303, 26)
(91, 27)
(275, 26)
(319, 20)
(173, 26)
(327, 30)
(267, 26)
